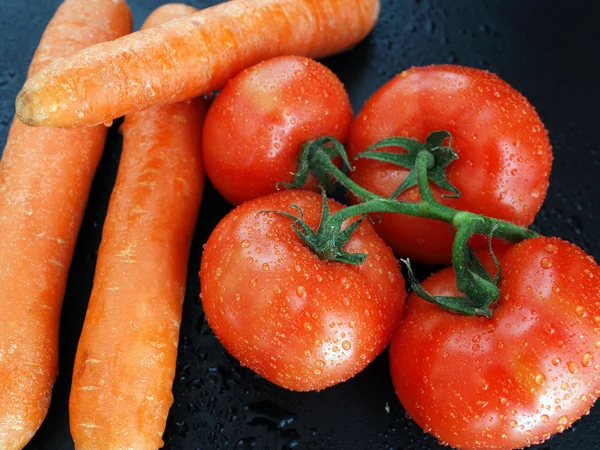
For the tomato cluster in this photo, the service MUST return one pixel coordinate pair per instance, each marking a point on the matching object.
(283, 296)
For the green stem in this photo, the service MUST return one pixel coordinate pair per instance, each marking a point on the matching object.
(428, 207)
(324, 161)
(427, 163)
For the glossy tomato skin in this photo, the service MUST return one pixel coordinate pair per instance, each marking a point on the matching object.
(301, 323)
(255, 128)
(504, 153)
(513, 380)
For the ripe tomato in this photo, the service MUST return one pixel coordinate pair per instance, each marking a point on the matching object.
(301, 323)
(255, 128)
(504, 152)
(513, 380)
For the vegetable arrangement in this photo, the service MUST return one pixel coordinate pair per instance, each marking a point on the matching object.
(443, 164)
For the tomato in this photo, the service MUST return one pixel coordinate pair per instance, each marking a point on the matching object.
(513, 380)
(298, 321)
(504, 152)
(255, 128)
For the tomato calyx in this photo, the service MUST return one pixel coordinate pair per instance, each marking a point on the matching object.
(480, 290)
(441, 157)
(329, 239)
(331, 148)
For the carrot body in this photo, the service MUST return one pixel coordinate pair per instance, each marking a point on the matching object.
(188, 57)
(45, 178)
(125, 363)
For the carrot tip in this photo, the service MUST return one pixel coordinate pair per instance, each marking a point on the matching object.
(28, 108)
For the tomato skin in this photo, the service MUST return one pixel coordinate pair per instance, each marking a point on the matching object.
(301, 323)
(256, 126)
(504, 161)
(513, 380)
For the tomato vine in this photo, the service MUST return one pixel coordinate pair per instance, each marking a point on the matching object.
(427, 163)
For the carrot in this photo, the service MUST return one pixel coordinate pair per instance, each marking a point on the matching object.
(45, 178)
(188, 57)
(125, 363)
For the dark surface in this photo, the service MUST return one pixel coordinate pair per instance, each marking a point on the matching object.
(547, 50)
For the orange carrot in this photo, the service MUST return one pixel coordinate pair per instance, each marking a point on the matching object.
(188, 57)
(45, 178)
(125, 363)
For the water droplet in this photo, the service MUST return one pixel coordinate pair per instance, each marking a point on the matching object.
(587, 359)
(513, 423)
(540, 379)
(320, 363)
(346, 345)
(245, 244)
(265, 267)
(555, 361)
(580, 311)
(108, 123)
(318, 343)
(573, 367)
(563, 420)
(545, 418)
(551, 248)
(219, 271)
(317, 371)
(351, 324)
(301, 291)
(545, 263)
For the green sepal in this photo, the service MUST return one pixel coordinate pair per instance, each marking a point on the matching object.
(437, 138)
(329, 239)
(443, 157)
(480, 290)
(328, 145)
(460, 305)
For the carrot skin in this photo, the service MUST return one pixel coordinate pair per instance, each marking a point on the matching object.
(126, 358)
(45, 178)
(188, 57)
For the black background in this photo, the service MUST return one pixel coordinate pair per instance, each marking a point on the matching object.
(549, 50)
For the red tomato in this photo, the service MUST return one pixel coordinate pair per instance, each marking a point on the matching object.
(300, 322)
(504, 152)
(255, 128)
(513, 380)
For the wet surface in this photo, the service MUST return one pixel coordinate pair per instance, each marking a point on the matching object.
(548, 51)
